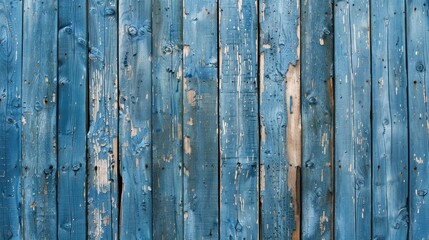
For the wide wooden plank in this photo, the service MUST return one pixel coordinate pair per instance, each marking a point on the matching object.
(418, 87)
(72, 118)
(102, 140)
(39, 120)
(167, 120)
(280, 119)
(10, 118)
(317, 106)
(238, 116)
(200, 118)
(135, 118)
(389, 121)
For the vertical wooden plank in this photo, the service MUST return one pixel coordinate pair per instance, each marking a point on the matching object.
(10, 118)
(103, 120)
(167, 120)
(280, 118)
(39, 99)
(389, 120)
(418, 58)
(135, 118)
(352, 120)
(317, 108)
(72, 119)
(238, 116)
(200, 117)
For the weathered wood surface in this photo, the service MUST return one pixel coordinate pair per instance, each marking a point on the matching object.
(167, 120)
(102, 189)
(280, 151)
(352, 120)
(317, 106)
(200, 119)
(389, 121)
(135, 102)
(238, 119)
(72, 118)
(39, 120)
(10, 118)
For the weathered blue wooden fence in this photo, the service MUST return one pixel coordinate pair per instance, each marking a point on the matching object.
(214, 119)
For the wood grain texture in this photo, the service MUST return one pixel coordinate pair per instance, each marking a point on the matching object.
(135, 118)
(317, 106)
(417, 60)
(238, 116)
(352, 120)
(280, 119)
(200, 118)
(103, 120)
(167, 120)
(389, 121)
(10, 118)
(72, 118)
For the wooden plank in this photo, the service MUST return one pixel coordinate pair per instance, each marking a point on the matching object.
(200, 117)
(280, 149)
(72, 118)
(10, 118)
(103, 121)
(352, 120)
(238, 116)
(317, 106)
(39, 130)
(135, 118)
(389, 121)
(418, 59)
(167, 120)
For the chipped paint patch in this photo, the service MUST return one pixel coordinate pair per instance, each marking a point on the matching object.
(187, 145)
(191, 97)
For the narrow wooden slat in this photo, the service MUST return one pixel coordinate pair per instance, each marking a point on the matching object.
(280, 150)
(238, 116)
(10, 118)
(317, 106)
(72, 119)
(390, 121)
(135, 118)
(418, 59)
(200, 118)
(103, 121)
(39, 127)
(167, 120)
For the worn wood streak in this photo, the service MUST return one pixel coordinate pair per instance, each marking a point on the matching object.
(103, 120)
(10, 118)
(135, 118)
(72, 119)
(39, 130)
(418, 87)
(317, 118)
(200, 117)
(167, 118)
(238, 116)
(389, 121)
(352, 120)
(280, 151)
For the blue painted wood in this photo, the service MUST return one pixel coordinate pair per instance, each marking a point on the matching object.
(200, 118)
(102, 136)
(39, 120)
(317, 106)
(238, 116)
(72, 118)
(417, 61)
(10, 118)
(280, 150)
(389, 121)
(167, 120)
(135, 118)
